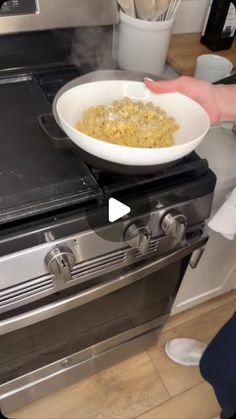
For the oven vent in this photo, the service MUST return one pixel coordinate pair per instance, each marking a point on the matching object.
(100, 264)
(25, 290)
(152, 248)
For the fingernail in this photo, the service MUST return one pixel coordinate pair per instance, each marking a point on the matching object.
(148, 79)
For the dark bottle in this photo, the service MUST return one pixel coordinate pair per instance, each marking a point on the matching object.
(220, 25)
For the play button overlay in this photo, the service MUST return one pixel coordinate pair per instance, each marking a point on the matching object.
(111, 219)
(117, 210)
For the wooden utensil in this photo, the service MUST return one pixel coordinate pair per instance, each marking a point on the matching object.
(161, 7)
(145, 8)
(128, 7)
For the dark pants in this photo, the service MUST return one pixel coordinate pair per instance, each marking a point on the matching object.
(218, 367)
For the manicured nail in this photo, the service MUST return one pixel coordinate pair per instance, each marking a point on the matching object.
(147, 79)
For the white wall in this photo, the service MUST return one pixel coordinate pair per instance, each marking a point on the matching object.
(191, 16)
(216, 271)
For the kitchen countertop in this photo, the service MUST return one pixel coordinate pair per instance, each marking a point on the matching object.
(185, 48)
(219, 145)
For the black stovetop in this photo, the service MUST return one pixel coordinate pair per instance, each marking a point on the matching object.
(39, 175)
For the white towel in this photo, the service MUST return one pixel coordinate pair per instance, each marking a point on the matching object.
(224, 221)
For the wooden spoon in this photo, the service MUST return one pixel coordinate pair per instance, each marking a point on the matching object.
(161, 7)
(128, 7)
(145, 8)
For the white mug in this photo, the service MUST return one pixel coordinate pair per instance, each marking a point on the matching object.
(212, 67)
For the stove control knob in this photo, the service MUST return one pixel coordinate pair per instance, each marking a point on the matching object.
(60, 262)
(138, 236)
(174, 224)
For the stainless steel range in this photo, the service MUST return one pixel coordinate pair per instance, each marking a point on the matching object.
(76, 290)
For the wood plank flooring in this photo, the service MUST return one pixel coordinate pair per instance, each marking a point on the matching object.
(147, 385)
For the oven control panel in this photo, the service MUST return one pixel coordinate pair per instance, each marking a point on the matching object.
(18, 7)
(174, 224)
(60, 262)
(138, 236)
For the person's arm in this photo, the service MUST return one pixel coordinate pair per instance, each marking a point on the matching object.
(219, 100)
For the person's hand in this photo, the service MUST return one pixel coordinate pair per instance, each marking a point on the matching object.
(203, 92)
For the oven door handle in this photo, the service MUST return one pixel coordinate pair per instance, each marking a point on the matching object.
(53, 309)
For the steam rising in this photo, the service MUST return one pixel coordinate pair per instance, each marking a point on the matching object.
(92, 48)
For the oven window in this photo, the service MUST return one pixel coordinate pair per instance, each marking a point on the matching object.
(28, 349)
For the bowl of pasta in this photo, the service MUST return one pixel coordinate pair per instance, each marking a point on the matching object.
(121, 124)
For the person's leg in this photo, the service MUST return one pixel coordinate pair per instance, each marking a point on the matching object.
(218, 367)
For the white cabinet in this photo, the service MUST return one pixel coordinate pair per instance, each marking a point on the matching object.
(216, 271)
(232, 277)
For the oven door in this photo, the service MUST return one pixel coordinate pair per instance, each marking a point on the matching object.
(43, 346)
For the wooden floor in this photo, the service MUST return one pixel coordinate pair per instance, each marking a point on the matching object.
(148, 385)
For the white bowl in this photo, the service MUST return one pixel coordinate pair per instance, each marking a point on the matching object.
(192, 118)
